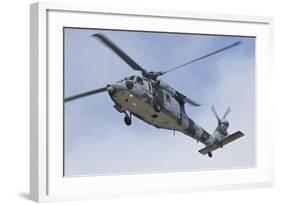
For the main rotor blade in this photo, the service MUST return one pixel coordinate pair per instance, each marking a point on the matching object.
(226, 113)
(119, 52)
(92, 92)
(215, 113)
(202, 57)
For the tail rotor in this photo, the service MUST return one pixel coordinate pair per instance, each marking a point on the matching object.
(215, 113)
(222, 121)
(226, 113)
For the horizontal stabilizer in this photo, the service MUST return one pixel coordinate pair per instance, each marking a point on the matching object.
(226, 140)
(231, 138)
(208, 148)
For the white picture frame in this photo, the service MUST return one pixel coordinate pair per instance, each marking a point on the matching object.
(46, 157)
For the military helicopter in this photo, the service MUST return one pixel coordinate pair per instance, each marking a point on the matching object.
(158, 104)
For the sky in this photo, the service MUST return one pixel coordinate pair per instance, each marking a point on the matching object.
(96, 139)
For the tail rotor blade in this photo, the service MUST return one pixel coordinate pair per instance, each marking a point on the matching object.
(226, 113)
(215, 113)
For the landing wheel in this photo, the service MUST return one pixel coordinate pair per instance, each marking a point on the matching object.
(157, 107)
(127, 120)
(210, 154)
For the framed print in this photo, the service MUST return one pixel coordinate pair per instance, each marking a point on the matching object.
(132, 102)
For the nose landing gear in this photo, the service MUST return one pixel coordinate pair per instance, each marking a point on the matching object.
(210, 154)
(128, 119)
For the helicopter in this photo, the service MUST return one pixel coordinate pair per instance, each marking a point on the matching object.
(153, 101)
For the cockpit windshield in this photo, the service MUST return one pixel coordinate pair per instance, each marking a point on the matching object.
(136, 79)
(131, 77)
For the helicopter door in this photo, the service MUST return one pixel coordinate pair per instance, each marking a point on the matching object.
(172, 105)
(149, 87)
(160, 97)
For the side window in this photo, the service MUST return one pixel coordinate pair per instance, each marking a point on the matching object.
(139, 80)
(149, 86)
(168, 98)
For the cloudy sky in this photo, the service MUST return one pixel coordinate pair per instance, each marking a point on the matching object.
(98, 142)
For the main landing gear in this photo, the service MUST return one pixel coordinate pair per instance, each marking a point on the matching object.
(210, 154)
(128, 119)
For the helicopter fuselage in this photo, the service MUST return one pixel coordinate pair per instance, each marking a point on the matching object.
(138, 96)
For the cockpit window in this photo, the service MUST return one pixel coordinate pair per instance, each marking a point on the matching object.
(132, 77)
(139, 80)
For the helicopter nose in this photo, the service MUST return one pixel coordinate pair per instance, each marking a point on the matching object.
(116, 87)
(110, 89)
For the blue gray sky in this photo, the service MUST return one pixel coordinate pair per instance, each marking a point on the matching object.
(96, 139)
